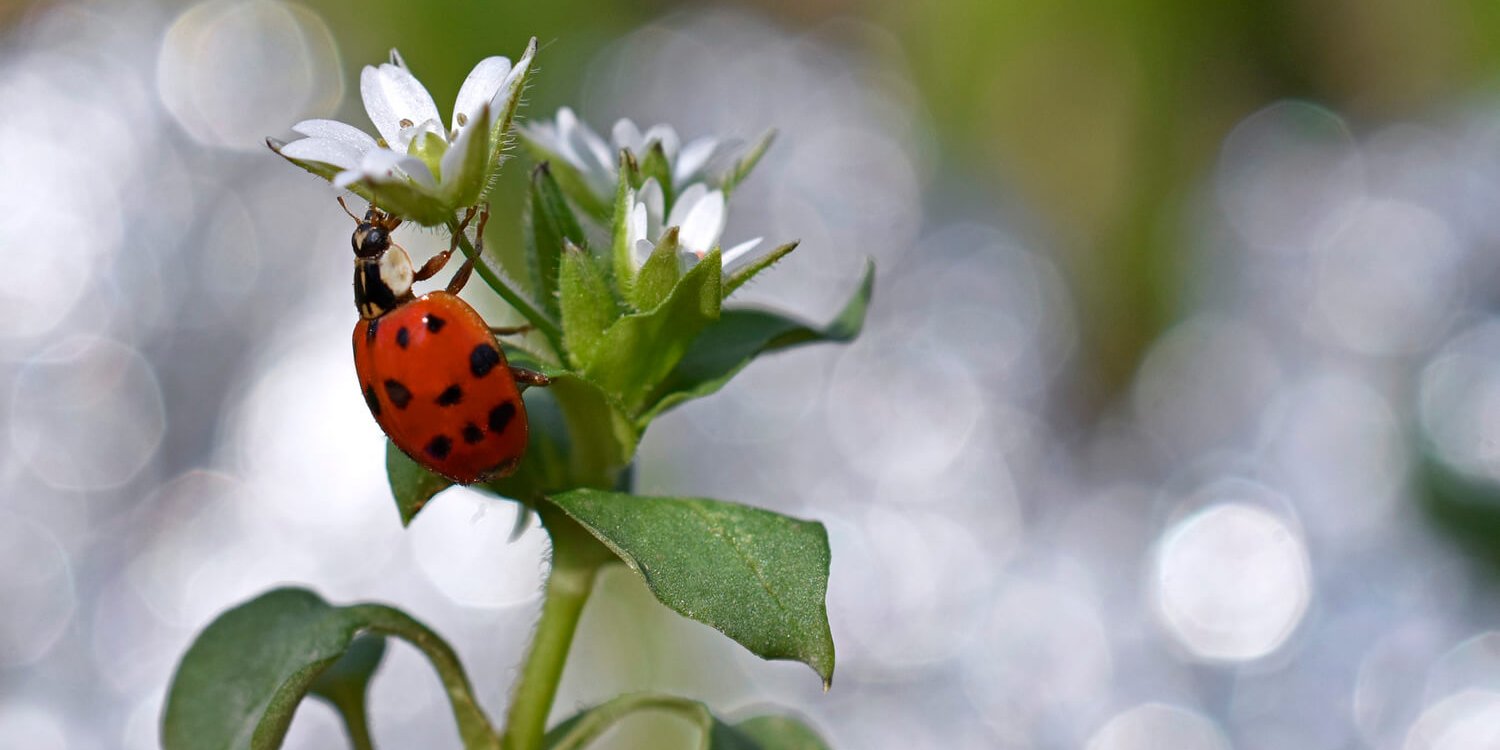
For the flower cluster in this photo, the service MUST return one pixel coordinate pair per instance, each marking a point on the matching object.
(418, 168)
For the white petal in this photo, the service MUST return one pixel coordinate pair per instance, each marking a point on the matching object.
(640, 251)
(347, 177)
(730, 258)
(392, 94)
(636, 224)
(627, 135)
(651, 197)
(479, 88)
(325, 150)
(703, 224)
(384, 165)
(693, 158)
(569, 137)
(510, 88)
(409, 134)
(685, 203)
(452, 163)
(334, 130)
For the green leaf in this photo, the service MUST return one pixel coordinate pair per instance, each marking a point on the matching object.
(588, 305)
(746, 164)
(411, 485)
(760, 733)
(659, 274)
(639, 350)
(655, 164)
(781, 733)
(738, 278)
(240, 682)
(727, 345)
(759, 577)
(552, 225)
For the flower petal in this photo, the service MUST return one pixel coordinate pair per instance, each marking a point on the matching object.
(382, 165)
(651, 197)
(685, 203)
(334, 130)
(325, 150)
(479, 88)
(626, 135)
(703, 224)
(636, 223)
(640, 251)
(732, 257)
(393, 95)
(694, 158)
(666, 135)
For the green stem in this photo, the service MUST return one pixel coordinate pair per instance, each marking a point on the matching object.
(576, 558)
(494, 275)
(357, 722)
(594, 723)
(473, 726)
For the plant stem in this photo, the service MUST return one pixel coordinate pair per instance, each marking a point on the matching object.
(601, 718)
(473, 726)
(576, 558)
(357, 722)
(494, 275)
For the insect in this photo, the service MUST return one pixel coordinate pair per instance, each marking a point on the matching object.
(431, 369)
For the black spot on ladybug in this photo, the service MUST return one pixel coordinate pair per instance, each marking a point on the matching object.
(374, 403)
(450, 395)
(370, 331)
(483, 359)
(472, 433)
(500, 417)
(434, 323)
(439, 447)
(397, 393)
(403, 337)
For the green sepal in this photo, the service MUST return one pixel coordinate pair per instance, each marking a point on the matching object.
(500, 128)
(746, 164)
(738, 278)
(727, 345)
(756, 576)
(570, 179)
(551, 225)
(467, 186)
(640, 349)
(239, 684)
(659, 274)
(620, 250)
(655, 164)
(588, 305)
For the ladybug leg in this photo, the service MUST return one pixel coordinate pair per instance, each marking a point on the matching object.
(436, 262)
(525, 378)
(511, 330)
(461, 276)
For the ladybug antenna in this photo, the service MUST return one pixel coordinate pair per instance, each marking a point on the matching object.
(345, 206)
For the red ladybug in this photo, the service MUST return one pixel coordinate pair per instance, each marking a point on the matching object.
(432, 371)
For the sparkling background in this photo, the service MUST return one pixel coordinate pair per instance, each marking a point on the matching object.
(1239, 543)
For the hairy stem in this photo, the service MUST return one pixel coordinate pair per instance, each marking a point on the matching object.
(576, 558)
(494, 276)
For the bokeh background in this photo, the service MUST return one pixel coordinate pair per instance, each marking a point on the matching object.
(1176, 423)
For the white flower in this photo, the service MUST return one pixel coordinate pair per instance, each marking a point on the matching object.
(418, 169)
(699, 215)
(597, 160)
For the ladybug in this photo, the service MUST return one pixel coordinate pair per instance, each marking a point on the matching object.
(431, 369)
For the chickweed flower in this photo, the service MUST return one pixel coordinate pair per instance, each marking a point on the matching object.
(699, 215)
(418, 168)
(596, 161)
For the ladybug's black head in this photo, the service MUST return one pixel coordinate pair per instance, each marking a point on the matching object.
(373, 235)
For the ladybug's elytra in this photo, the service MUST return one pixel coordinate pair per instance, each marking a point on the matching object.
(431, 369)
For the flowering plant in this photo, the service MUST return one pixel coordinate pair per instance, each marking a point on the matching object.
(626, 304)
